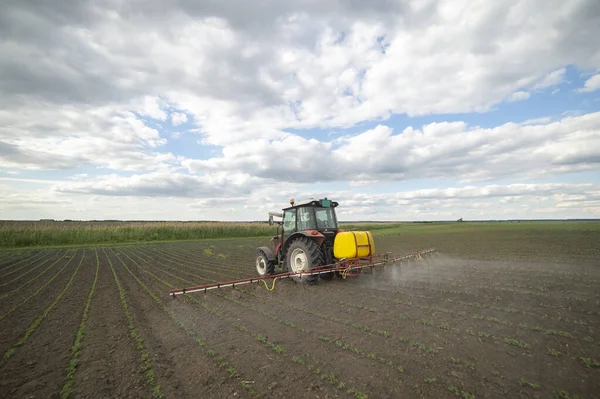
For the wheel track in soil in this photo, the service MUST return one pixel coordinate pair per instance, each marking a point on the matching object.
(15, 323)
(234, 327)
(356, 357)
(179, 372)
(6, 287)
(37, 360)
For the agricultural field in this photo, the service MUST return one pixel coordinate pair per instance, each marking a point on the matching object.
(503, 310)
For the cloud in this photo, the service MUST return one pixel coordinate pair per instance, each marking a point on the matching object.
(519, 96)
(238, 70)
(46, 138)
(552, 79)
(159, 185)
(437, 150)
(177, 118)
(592, 84)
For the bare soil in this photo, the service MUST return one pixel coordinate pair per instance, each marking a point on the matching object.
(488, 317)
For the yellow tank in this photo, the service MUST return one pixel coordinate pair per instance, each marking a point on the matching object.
(353, 244)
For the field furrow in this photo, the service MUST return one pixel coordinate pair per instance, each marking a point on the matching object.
(35, 362)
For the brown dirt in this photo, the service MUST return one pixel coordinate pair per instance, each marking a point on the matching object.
(453, 325)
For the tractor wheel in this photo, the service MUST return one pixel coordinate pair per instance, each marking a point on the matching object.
(263, 265)
(303, 255)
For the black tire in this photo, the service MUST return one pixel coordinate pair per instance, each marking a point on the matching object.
(264, 266)
(312, 254)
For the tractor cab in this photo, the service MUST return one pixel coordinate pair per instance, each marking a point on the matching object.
(308, 238)
(311, 224)
(316, 215)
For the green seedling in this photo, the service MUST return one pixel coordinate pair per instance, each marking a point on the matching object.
(523, 382)
(517, 343)
(554, 352)
(590, 363)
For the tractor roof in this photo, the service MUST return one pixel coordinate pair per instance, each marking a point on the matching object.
(313, 202)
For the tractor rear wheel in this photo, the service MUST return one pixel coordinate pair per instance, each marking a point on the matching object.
(263, 265)
(304, 255)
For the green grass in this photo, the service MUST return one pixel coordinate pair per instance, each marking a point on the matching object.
(474, 238)
(28, 234)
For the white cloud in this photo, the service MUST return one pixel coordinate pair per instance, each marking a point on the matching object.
(104, 85)
(552, 79)
(238, 72)
(48, 138)
(519, 96)
(537, 121)
(438, 150)
(160, 185)
(592, 84)
(177, 118)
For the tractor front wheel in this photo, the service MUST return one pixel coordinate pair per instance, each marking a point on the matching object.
(303, 255)
(263, 265)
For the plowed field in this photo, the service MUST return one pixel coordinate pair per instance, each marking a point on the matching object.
(487, 318)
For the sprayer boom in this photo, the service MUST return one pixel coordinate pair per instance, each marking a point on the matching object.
(345, 267)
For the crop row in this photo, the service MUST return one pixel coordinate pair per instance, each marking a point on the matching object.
(340, 343)
(36, 292)
(76, 348)
(36, 323)
(37, 276)
(329, 377)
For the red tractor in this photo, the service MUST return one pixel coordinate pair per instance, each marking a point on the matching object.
(309, 238)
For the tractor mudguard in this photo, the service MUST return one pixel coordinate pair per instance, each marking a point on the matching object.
(268, 253)
(312, 234)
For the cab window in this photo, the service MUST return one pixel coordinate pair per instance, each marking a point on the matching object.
(306, 219)
(289, 221)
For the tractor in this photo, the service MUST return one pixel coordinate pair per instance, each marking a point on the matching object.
(310, 238)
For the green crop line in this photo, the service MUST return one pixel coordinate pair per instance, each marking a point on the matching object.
(24, 301)
(206, 267)
(34, 278)
(460, 393)
(26, 272)
(75, 350)
(222, 364)
(133, 331)
(155, 259)
(260, 338)
(5, 268)
(517, 343)
(31, 329)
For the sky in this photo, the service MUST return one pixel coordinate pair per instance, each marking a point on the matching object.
(224, 110)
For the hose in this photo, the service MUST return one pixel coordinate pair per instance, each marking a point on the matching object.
(267, 287)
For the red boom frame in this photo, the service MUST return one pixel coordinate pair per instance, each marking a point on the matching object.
(345, 266)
